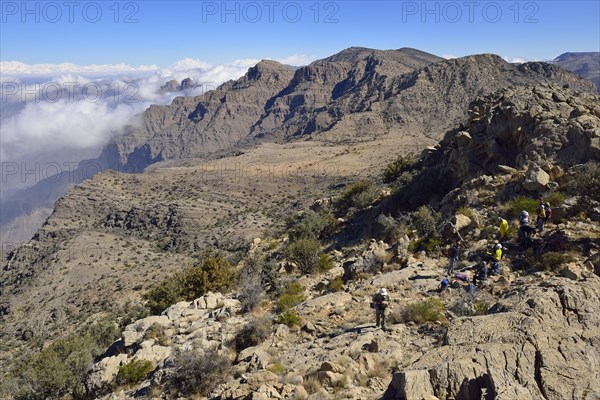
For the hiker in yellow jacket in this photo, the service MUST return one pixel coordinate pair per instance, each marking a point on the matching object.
(503, 228)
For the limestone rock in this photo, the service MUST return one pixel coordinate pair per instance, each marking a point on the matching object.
(536, 179)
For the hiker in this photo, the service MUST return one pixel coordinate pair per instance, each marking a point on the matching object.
(548, 212)
(453, 254)
(503, 228)
(525, 232)
(541, 217)
(380, 303)
(523, 218)
(482, 273)
(494, 256)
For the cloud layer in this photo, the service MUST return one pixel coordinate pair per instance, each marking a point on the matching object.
(47, 108)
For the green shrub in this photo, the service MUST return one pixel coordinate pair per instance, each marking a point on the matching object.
(587, 182)
(289, 318)
(397, 167)
(198, 374)
(481, 307)
(211, 273)
(276, 368)
(252, 334)
(549, 261)
(519, 203)
(426, 244)
(429, 310)
(426, 222)
(162, 295)
(336, 284)
(306, 253)
(388, 229)
(325, 262)
(291, 295)
(310, 225)
(466, 211)
(359, 195)
(555, 198)
(61, 368)
(134, 371)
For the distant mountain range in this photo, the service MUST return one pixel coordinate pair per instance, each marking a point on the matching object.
(586, 64)
(356, 94)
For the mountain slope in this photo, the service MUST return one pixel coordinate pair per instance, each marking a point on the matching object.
(585, 64)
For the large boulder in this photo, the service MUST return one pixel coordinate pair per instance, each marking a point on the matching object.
(536, 179)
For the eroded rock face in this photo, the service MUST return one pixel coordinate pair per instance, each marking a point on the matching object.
(544, 347)
(545, 130)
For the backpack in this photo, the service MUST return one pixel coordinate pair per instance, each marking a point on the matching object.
(548, 211)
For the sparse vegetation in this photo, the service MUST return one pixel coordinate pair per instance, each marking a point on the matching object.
(336, 284)
(310, 225)
(306, 253)
(211, 273)
(358, 196)
(519, 203)
(426, 222)
(402, 164)
(427, 244)
(466, 211)
(289, 318)
(60, 369)
(388, 229)
(134, 371)
(256, 332)
(291, 295)
(198, 373)
(548, 261)
(429, 310)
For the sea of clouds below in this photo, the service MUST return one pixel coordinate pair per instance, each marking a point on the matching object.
(63, 113)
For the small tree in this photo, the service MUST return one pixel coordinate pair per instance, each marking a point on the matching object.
(306, 254)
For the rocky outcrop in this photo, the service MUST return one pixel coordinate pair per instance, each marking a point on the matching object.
(540, 342)
(544, 130)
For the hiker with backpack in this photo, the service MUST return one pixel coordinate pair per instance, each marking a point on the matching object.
(541, 217)
(525, 231)
(453, 255)
(380, 304)
(494, 256)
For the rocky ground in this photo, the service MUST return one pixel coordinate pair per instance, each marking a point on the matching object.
(536, 337)
(531, 332)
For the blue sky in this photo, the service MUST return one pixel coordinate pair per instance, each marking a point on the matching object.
(161, 32)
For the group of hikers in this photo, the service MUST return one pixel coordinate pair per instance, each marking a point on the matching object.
(488, 266)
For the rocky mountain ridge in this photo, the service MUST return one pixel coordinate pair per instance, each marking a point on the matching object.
(358, 94)
(112, 238)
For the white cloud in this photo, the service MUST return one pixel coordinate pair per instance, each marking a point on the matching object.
(448, 56)
(297, 60)
(47, 108)
(46, 126)
(519, 59)
(189, 63)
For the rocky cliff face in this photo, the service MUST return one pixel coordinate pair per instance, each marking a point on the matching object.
(550, 128)
(390, 88)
